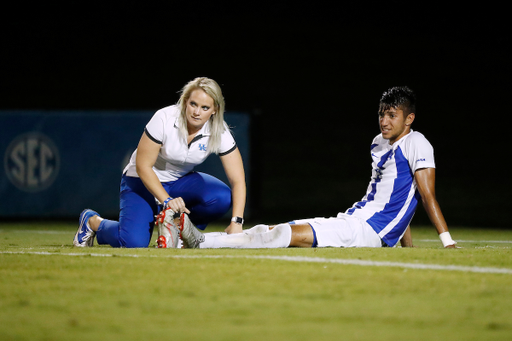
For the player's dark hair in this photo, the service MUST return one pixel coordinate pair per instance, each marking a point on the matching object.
(398, 97)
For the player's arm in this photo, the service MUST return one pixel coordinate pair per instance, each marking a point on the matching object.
(234, 168)
(406, 240)
(147, 153)
(426, 179)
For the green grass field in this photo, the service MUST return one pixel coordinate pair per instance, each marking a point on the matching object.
(52, 291)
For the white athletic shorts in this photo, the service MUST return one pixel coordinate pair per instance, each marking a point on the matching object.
(342, 231)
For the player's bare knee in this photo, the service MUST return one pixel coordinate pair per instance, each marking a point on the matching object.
(302, 235)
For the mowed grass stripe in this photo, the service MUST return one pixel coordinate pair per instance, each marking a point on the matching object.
(358, 262)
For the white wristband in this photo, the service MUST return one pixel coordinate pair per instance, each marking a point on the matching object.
(446, 239)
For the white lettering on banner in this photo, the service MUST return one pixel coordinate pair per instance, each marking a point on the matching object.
(32, 162)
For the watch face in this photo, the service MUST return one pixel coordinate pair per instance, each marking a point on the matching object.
(238, 220)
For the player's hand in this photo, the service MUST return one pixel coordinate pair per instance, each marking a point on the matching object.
(178, 205)
(234, 228)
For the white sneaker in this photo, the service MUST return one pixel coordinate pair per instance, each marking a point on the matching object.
(189, 234)
(168, 233)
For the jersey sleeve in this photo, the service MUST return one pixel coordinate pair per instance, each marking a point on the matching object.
(421, 153)
(156, 127)
(227, 143)
(376, 141)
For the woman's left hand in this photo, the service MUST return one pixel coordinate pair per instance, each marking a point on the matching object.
(234, 228)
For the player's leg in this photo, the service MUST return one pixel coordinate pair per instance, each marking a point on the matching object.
(282, 235)
(279, 236)
(343, 231)
(302, 235)
(206, 197)
(261, 228)
(321, 232)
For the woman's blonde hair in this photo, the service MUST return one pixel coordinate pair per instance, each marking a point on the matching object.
(217, 125)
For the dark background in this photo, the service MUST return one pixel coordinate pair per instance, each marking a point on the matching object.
(310, 73)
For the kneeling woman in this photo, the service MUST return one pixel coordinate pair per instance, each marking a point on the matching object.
(176, 139)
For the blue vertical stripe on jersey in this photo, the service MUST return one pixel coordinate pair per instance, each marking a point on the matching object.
(371, 195)
(398, 198)
(394, 235)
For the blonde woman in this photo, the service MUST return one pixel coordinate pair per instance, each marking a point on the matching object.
(175, 140)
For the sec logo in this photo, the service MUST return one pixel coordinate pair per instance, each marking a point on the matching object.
(32, 162)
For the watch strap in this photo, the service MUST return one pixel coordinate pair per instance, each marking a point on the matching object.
(238, 220)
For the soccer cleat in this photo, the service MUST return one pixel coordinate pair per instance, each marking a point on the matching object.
(189, 234)
(168, 233)
(84, 237)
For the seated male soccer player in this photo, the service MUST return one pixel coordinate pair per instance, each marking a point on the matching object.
(403, 174)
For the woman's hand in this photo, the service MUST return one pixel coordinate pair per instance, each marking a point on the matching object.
(233, 228)
(177, 205)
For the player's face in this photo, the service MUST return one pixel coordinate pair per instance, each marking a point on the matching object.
(200, 107)
(393, 124)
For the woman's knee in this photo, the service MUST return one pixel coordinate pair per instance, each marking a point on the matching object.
(136, 239)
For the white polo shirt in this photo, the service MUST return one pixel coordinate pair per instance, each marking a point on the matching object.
(177, 158)
(391, 199)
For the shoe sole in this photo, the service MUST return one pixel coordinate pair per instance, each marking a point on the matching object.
(180, 229)
(162, 241)
(182, 223)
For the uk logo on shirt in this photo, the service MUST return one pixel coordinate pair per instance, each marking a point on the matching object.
(202, 147)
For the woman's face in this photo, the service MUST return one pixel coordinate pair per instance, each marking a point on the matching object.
(200, 107)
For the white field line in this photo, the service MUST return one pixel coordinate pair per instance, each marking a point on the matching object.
(38, 231)
(359, 262)
(468, 241)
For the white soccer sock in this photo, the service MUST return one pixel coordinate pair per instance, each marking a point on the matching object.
(279, 236)
(216, 233)
(262, 228)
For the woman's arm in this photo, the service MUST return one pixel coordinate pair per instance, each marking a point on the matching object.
(234, 168)
(147, 153)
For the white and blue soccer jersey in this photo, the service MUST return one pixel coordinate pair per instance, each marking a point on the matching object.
(392, 196)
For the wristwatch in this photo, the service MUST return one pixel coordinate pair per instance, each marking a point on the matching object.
(238, 220)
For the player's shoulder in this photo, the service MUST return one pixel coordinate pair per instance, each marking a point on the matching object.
(414, 141)
(378, 140)
(415, 137)
(378, 143)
